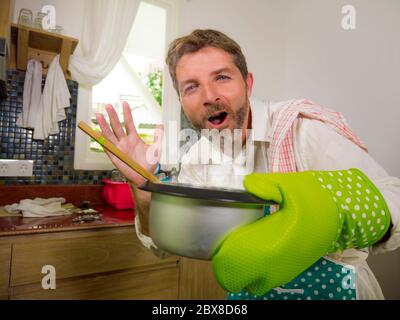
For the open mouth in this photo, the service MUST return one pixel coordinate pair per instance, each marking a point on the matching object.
(218, 118)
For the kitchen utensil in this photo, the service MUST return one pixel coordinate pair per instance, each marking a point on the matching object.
(118, 153)
(191, 221)
(188, 220)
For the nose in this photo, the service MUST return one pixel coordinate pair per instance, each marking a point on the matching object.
(211, 95)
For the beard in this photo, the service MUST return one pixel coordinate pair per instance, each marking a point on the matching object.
(237, 117)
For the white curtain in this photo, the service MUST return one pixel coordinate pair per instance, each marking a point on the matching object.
(106, 29)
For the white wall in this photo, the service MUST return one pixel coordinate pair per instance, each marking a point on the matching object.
(69, 13)
(253, 24)
(356, 72)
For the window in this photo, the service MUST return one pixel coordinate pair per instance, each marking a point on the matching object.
(138, 78)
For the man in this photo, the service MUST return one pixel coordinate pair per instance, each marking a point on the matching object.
(335, 200)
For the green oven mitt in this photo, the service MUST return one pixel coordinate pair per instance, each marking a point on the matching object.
(320, 212)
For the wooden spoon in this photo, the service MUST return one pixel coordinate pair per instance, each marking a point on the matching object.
(118, 153)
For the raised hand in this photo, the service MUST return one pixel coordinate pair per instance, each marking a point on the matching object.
(130, 143)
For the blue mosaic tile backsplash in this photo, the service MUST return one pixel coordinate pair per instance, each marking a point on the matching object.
(54, 156)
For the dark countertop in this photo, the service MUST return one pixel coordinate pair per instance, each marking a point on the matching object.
(111, 217)
(75, 194)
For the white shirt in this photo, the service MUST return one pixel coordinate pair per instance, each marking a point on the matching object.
(226, 170)
(317, 147)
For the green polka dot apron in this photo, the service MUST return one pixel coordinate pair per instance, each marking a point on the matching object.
(327, 279)
(324, 280)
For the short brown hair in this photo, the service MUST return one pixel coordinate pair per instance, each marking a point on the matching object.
(200, 39)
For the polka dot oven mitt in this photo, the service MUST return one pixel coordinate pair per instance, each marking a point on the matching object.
(363, 213)
(320, 212)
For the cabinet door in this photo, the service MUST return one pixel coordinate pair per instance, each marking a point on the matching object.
(97, 264)
(161, 283)
(197, 281)
(81, 254)
(5, 256)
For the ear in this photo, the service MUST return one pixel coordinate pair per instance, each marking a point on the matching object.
(249, 83)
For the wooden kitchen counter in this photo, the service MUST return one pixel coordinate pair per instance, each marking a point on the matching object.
(94, 260)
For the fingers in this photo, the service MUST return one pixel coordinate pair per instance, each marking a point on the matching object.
(105, 129)
(261, 186)
(128, 120)
(115, 123)
(230, 270)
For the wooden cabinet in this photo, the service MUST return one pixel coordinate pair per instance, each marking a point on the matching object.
(108, 263)
(158, 283)
(5, 259)
(6, 11)
(197, 281)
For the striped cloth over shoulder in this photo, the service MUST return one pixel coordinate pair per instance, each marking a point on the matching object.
(281, 156)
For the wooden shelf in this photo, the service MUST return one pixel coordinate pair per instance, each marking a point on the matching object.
(30, 43)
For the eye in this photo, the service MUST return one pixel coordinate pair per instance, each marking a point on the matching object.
(222, 77)
(190, 88)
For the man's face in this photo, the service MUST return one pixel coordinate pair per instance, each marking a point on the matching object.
(213, 93)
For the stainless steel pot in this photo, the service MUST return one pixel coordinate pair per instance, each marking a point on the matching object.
(191, 221)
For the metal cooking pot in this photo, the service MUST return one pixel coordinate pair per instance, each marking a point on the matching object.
(191, 221)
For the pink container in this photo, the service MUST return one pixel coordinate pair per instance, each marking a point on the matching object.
(118, 194)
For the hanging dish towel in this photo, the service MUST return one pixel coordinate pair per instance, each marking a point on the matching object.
(55, 99)
(31, 109)
(42, 111)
